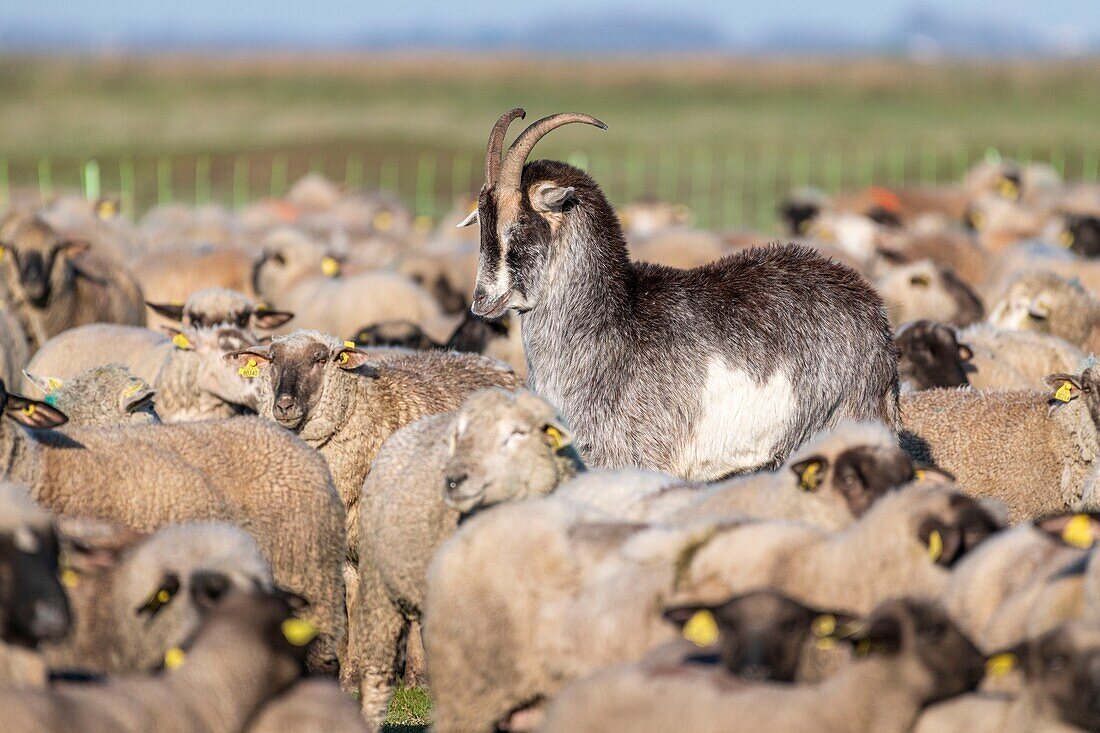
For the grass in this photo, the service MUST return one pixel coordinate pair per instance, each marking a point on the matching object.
(410, 711)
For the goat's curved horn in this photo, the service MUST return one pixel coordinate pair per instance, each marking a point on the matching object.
(496, 143)
(512, 168)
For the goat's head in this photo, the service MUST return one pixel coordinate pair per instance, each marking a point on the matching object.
(520, 214)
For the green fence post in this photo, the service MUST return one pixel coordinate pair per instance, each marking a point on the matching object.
(127, 187)
(834, 170)
(240, 182)
(461, 170)
(164, 181)
(202, 180)
(45, 179)
(1058, 161)
(280, 168)
(5, 189)
(353, 172)
(866, 168)
(765, 190)
(91, 180)
(1090, 166)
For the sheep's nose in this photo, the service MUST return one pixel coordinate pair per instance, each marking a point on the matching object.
(207, 587)
(284, 404)
(50, 621)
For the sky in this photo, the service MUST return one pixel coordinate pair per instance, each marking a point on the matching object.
(320, 21)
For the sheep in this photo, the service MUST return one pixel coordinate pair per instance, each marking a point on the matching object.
(33, 606)
(927, 290)
(493, 646)
(684, 249)
(107, 395)
(246, 471)
(930, 355)
(1049, 303)
(1031, 450)
(328, 394)
(447, 270)
(247, 652)
(97, 222)
(214, 307)
(310, 706)
(1058, 697)
(1081, 232)
(913, 656)
(970, 261)
(14, 350)
(656, 367)
(498, 446)
(191, 378)
(173, 273)
(1005, 358)
(296, 274)
(54, 284)
(133, 600)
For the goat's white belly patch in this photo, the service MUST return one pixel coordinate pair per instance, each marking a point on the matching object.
(741, 425)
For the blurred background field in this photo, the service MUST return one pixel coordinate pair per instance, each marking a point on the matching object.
(728, 136)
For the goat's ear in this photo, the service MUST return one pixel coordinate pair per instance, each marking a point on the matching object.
(264, 318)
(32, 413)
(171, 311)
(551, 198)
(471, 219)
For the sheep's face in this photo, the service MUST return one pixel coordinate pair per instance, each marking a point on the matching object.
(760, 635)
(925, 290)
(930, 355)
(308, 381)
(1063, 668)
(504, 447)
(948, 525)
(399, 334)
(1082, 234)
(858, 476)
(948, 663)
(34, 606)
(1047, 303)
(207, 351)
(287, 258)
(217, 307)
(40, 259)
(1067, 388)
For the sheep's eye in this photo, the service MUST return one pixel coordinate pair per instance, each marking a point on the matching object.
(790, 626)
(1056, 663)
(920, 281)
(278, 259)
(934, 632)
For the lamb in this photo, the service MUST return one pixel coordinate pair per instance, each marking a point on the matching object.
(499, 446)
(191, 378)
(245, 471)
(311, 705)
(655, 367)
(214, 307)
(914, 656)
(1058, 696)
(135, 598)
(107, 395)
(329, 395)
(1031, 450)
(54, 284)
(493, 648)
(248, 651)
(927, 290)
(1048, 303)
(33, 606)
(296, 274)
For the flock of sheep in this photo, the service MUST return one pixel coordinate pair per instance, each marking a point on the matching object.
(575, 469)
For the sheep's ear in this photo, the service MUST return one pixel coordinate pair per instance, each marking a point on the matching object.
(1077, 530)
(552, 198)
(1067, 387)
(829, 627)
(171, 311)
(75, 247)
(942, 541)
(810, 472)
(879, 635)
(557, 435)
(134, 395)
(697, 623)
(179, 339)
(108, 208)
(45, 384)
(471, 219)
(264, 318)
(350, 358)
(249, 361)
(932, 474)
(965, 352)
(32, 413)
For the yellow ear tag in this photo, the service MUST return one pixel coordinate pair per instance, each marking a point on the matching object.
(70, 578)
(935, 545)
(701, 629)
(132, 389)
(174, 658)
(1066, 239)
(1000, 665)
(298, 632)
(163, 596)
(919, 474)
(344, 357)
(28, 410)
(330, 266)
(824, 627)
(1064, 392)
(181, 341)
(383, 221)
(557, 441)
(1008, 188)
(249, 370)
(1078, 532)
(53, 383)
(106, 209)
(811, 476)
